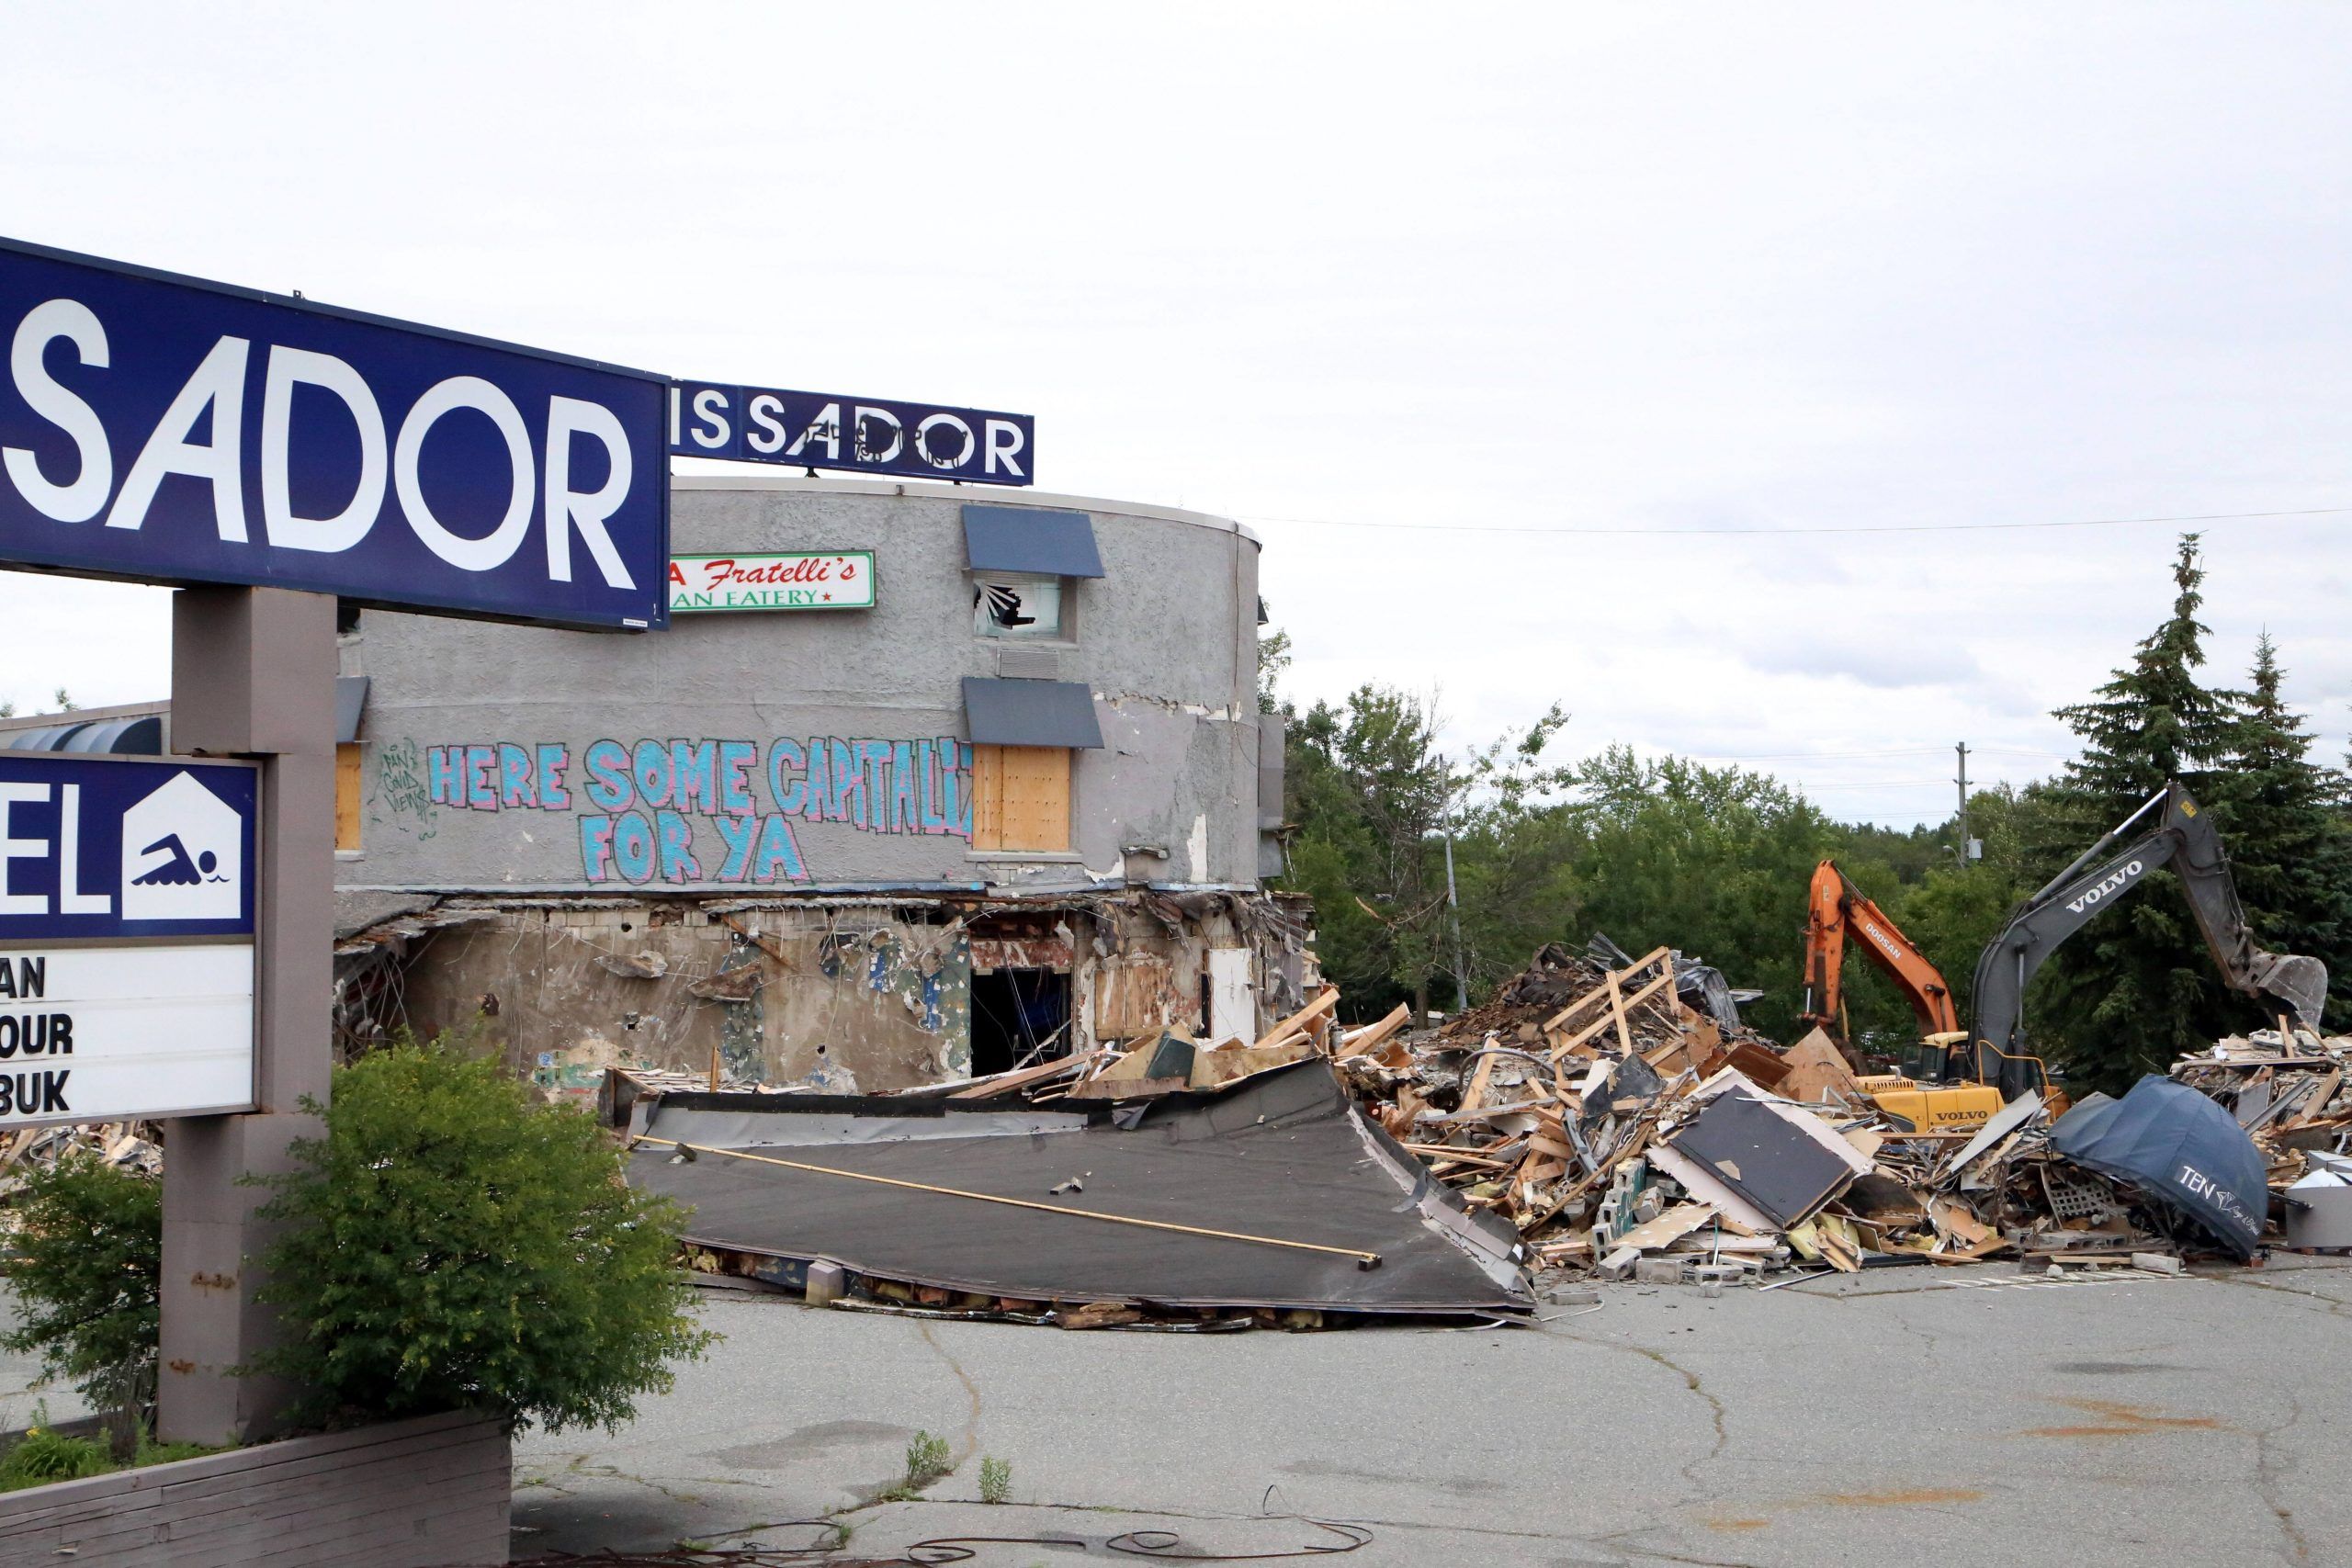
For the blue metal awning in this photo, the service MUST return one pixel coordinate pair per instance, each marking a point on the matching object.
(350, 702)
(1031, 713)
(1023, 538)
(138, 737)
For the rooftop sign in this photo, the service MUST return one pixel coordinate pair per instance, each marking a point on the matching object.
(162, 429)
(839, 580)
(862, 436)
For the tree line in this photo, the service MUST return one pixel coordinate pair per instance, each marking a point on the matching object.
(1716, 861)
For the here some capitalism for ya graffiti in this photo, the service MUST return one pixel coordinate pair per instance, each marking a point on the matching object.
(636, 803)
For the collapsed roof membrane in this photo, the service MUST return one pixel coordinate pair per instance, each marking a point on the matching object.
(1305, 1189)
(2180, 1148)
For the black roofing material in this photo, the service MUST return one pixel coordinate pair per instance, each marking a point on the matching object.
(1031, 713)
(2180, 1149)
(1285, 1155)
(1022, 538)
(1764, 1159)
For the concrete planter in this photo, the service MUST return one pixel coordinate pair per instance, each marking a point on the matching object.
(434, 1492)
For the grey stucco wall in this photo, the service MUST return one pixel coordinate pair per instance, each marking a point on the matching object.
(1167, 640)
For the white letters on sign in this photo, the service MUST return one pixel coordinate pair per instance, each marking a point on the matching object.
(212, 403)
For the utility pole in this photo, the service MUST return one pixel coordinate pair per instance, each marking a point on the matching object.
(1963, 782)
(1454, 910)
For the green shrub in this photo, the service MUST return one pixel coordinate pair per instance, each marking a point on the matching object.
(87, 1278)
(44, 1455)
(996, 1480)
(453, 1242)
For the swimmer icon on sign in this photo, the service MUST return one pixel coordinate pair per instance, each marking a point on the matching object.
(182, 855)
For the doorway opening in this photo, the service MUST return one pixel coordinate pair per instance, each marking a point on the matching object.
(1019, 1017)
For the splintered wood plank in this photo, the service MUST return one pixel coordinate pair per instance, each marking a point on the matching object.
(1298, 1023)
(1476, 1095)
(1598, 1024)
(1361, 1042)
(1678, 1220)
(1598, 994)
(1617, 1008)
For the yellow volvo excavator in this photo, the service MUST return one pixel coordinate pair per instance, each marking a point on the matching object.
(1838, 909)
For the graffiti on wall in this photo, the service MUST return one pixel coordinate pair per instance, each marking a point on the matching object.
(401, 788)
(711, 810)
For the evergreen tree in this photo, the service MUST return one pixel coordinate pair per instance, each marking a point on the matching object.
(2137, 986)
(2152, 721)
(2288, 840)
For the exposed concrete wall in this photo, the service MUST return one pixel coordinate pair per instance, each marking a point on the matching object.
(842, 995)
(1167, 640)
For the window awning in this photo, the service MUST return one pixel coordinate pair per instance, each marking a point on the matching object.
(350, 702)
(140, 737)
(1031, 713)
(1022, 538)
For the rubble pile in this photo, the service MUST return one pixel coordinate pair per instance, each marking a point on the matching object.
(2293, 1096)
(129, 1145)
(1590, 1119)
(1621, 1131)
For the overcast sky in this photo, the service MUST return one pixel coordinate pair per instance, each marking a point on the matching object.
(1415, 293)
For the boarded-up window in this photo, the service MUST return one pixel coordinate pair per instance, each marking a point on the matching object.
(1021, 797)
(346, 796)
(1132, 998)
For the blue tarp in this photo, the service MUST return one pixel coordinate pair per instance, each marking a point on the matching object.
(2180, 1148)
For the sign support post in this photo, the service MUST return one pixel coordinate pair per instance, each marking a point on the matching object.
(253, 675)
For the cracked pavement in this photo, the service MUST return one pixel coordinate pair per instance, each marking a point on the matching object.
(1970, 1416)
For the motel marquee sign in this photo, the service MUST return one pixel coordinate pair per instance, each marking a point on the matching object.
(126, 938)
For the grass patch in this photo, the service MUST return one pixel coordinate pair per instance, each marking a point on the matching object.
(45, 1455)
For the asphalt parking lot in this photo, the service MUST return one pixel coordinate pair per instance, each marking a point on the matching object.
(1960, 1418)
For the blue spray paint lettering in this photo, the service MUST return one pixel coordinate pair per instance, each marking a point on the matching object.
(646, 794)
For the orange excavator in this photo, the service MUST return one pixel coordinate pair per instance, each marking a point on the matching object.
(1834, 907)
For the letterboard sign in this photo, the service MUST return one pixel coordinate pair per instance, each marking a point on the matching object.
(126, 938)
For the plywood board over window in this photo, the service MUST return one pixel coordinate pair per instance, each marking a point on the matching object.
(1132, 997)
(346, 796)
(1020, 798)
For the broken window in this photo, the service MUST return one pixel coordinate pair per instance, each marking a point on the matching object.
(1019, 605)
(1019, 1017)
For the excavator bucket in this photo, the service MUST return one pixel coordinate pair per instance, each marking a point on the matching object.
(2299, 982)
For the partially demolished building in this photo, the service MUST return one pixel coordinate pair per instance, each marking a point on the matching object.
(915, 786)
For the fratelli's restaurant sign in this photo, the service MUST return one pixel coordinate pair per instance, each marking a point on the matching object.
(840, 580)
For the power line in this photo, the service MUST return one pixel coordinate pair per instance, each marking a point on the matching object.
(1844, 756)
(1827, 528)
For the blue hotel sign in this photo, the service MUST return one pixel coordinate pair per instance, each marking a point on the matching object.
(103, 848)
(161, 429)
(860, 436)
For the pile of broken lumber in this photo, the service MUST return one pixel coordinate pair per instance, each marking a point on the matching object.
(1620, 1131)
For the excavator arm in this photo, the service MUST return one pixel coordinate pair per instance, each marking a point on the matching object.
(2183, 838)
(1836, 909)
